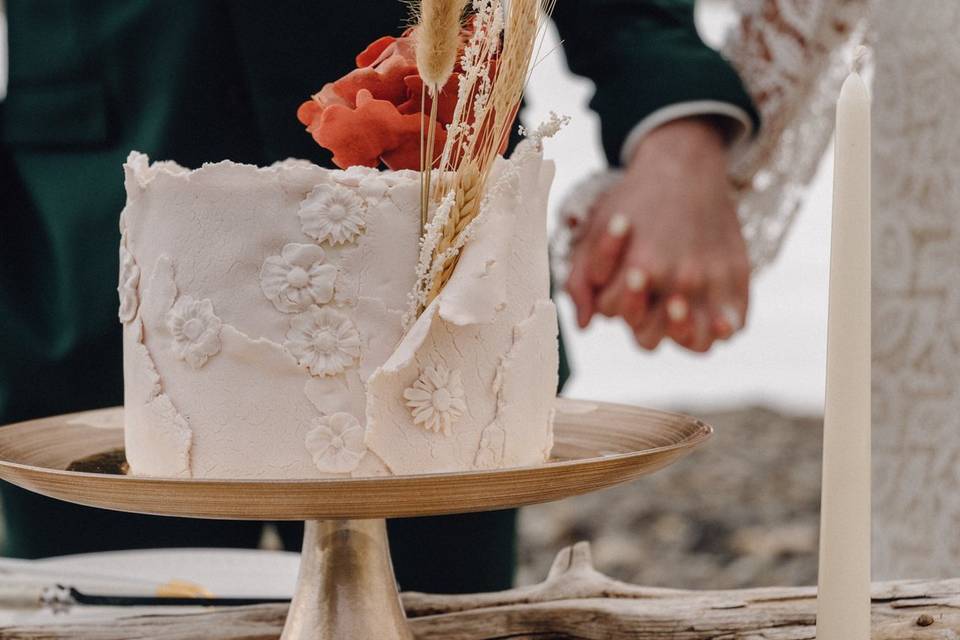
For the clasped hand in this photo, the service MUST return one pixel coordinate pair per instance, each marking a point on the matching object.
(662, 248)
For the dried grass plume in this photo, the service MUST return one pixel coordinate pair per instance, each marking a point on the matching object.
(437, 45)
(438, 39)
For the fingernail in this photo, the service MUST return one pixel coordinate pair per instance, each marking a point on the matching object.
(732, 316)
(583, 317)
(677, 309)
(722, 328)
(636, 279)
(618, 225)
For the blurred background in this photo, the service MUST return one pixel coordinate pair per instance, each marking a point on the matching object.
(742, 511)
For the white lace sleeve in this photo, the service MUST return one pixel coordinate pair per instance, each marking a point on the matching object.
(792, 56)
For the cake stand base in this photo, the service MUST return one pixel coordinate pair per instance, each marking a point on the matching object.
(346, 587)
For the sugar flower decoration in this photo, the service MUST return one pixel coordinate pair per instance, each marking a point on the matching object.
(298, 278)
(336, 443)
(332, 213)
(436, 398)
(323, 340)
(127, 289)
(195, 329)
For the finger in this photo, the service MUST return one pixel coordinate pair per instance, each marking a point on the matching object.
(702, 335)
(695, 334)
(625, 296)
(729, 310)
(607, 249)
(725, 319)
(690, 280)
(688, 285)
(580, 292)
(610, 298)
(625, 291)
(679, 320)
(722, 305)
(637, 301)
(651, 332)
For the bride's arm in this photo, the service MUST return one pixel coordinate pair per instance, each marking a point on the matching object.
(792, 55)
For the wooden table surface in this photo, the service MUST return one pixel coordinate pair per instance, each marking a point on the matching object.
(576, 602)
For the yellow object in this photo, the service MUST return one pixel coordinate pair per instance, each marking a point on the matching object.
(182, 589)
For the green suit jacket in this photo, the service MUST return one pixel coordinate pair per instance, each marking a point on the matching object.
(204, 80)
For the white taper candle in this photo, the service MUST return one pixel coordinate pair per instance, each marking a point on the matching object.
(843, 601)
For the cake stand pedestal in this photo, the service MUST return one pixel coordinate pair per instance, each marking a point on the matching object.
(346, 588)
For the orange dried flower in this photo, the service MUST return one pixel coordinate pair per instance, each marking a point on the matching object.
(372, 114)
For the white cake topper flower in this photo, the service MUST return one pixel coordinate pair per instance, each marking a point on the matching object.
(332, 213)
(297, 278)
(336, 443)
(323, 340)
(436, 398)
(127, 289)
(195, 329)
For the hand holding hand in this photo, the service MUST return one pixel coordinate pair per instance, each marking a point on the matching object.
(663, 248)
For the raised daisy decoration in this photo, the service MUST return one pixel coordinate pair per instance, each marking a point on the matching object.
(127, 289)
(336, 443)
(323, 340)
(332, 213)
(195, 330)
(436, 398)
(298, 278)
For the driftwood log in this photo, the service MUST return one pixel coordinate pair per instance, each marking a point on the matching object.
(575, 602)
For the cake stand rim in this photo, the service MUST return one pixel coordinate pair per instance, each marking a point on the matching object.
(702, 433)
(614, 426)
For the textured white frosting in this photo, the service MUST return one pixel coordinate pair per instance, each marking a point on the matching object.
(263, 331)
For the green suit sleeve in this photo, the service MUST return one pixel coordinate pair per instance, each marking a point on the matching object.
(643, 55)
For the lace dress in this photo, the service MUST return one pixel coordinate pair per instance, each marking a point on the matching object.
(916, 280)
(793, 54)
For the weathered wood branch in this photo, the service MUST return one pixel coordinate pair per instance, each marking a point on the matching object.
(576, 602)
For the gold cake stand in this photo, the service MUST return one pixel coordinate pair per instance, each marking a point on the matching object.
(346, 587)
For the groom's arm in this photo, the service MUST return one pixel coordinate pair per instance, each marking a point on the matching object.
(649, 66)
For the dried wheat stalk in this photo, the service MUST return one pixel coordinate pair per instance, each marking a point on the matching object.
(491, 85)
(466, 205)
(437, 43)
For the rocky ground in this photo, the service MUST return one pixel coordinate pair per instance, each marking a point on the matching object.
(740, 511)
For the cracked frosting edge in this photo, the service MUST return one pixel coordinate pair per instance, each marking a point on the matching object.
(140, 171)
(158, 439)
(533, 341)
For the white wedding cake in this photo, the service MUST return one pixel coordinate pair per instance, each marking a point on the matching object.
(268, 332)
